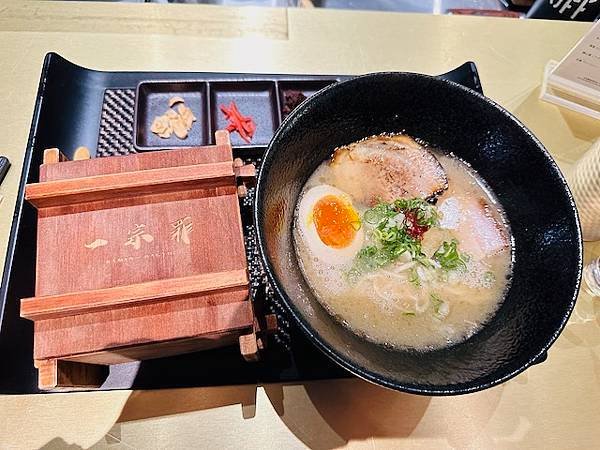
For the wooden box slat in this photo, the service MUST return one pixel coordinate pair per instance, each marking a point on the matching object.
(54, 306)
(136, 163)
(139, 199)
(154, 322)
(125, 184)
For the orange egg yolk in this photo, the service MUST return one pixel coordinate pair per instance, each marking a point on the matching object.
(336, 221)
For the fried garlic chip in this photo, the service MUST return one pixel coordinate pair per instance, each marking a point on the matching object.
(179, 122)
(174, 100)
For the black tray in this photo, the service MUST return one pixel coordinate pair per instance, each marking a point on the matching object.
(76, 106)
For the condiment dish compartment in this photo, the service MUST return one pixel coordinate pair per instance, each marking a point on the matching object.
(306, 87)
(257, 99)
(152, 100)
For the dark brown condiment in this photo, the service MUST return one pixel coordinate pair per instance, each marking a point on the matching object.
(291, 99)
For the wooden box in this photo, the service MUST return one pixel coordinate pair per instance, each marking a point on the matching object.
(138, 257)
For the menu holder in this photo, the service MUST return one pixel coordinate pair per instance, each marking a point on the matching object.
(574, 82)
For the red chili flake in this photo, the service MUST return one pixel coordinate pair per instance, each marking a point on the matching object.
(244, 125)
(414, 229)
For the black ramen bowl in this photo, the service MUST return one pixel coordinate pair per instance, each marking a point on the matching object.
(529, 185)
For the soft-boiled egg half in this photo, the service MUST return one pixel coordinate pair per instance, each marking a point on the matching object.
(329, 225)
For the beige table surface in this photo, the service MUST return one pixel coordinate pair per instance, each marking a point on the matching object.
(553, 405)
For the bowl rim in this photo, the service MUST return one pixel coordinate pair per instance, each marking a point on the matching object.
(315, 337)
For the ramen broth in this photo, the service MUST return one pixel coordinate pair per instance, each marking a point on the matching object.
(402, 271)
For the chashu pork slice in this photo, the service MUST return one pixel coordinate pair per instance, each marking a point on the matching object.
(387, 168)
(473, 225)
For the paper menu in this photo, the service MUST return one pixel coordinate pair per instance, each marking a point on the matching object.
(574, 82)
